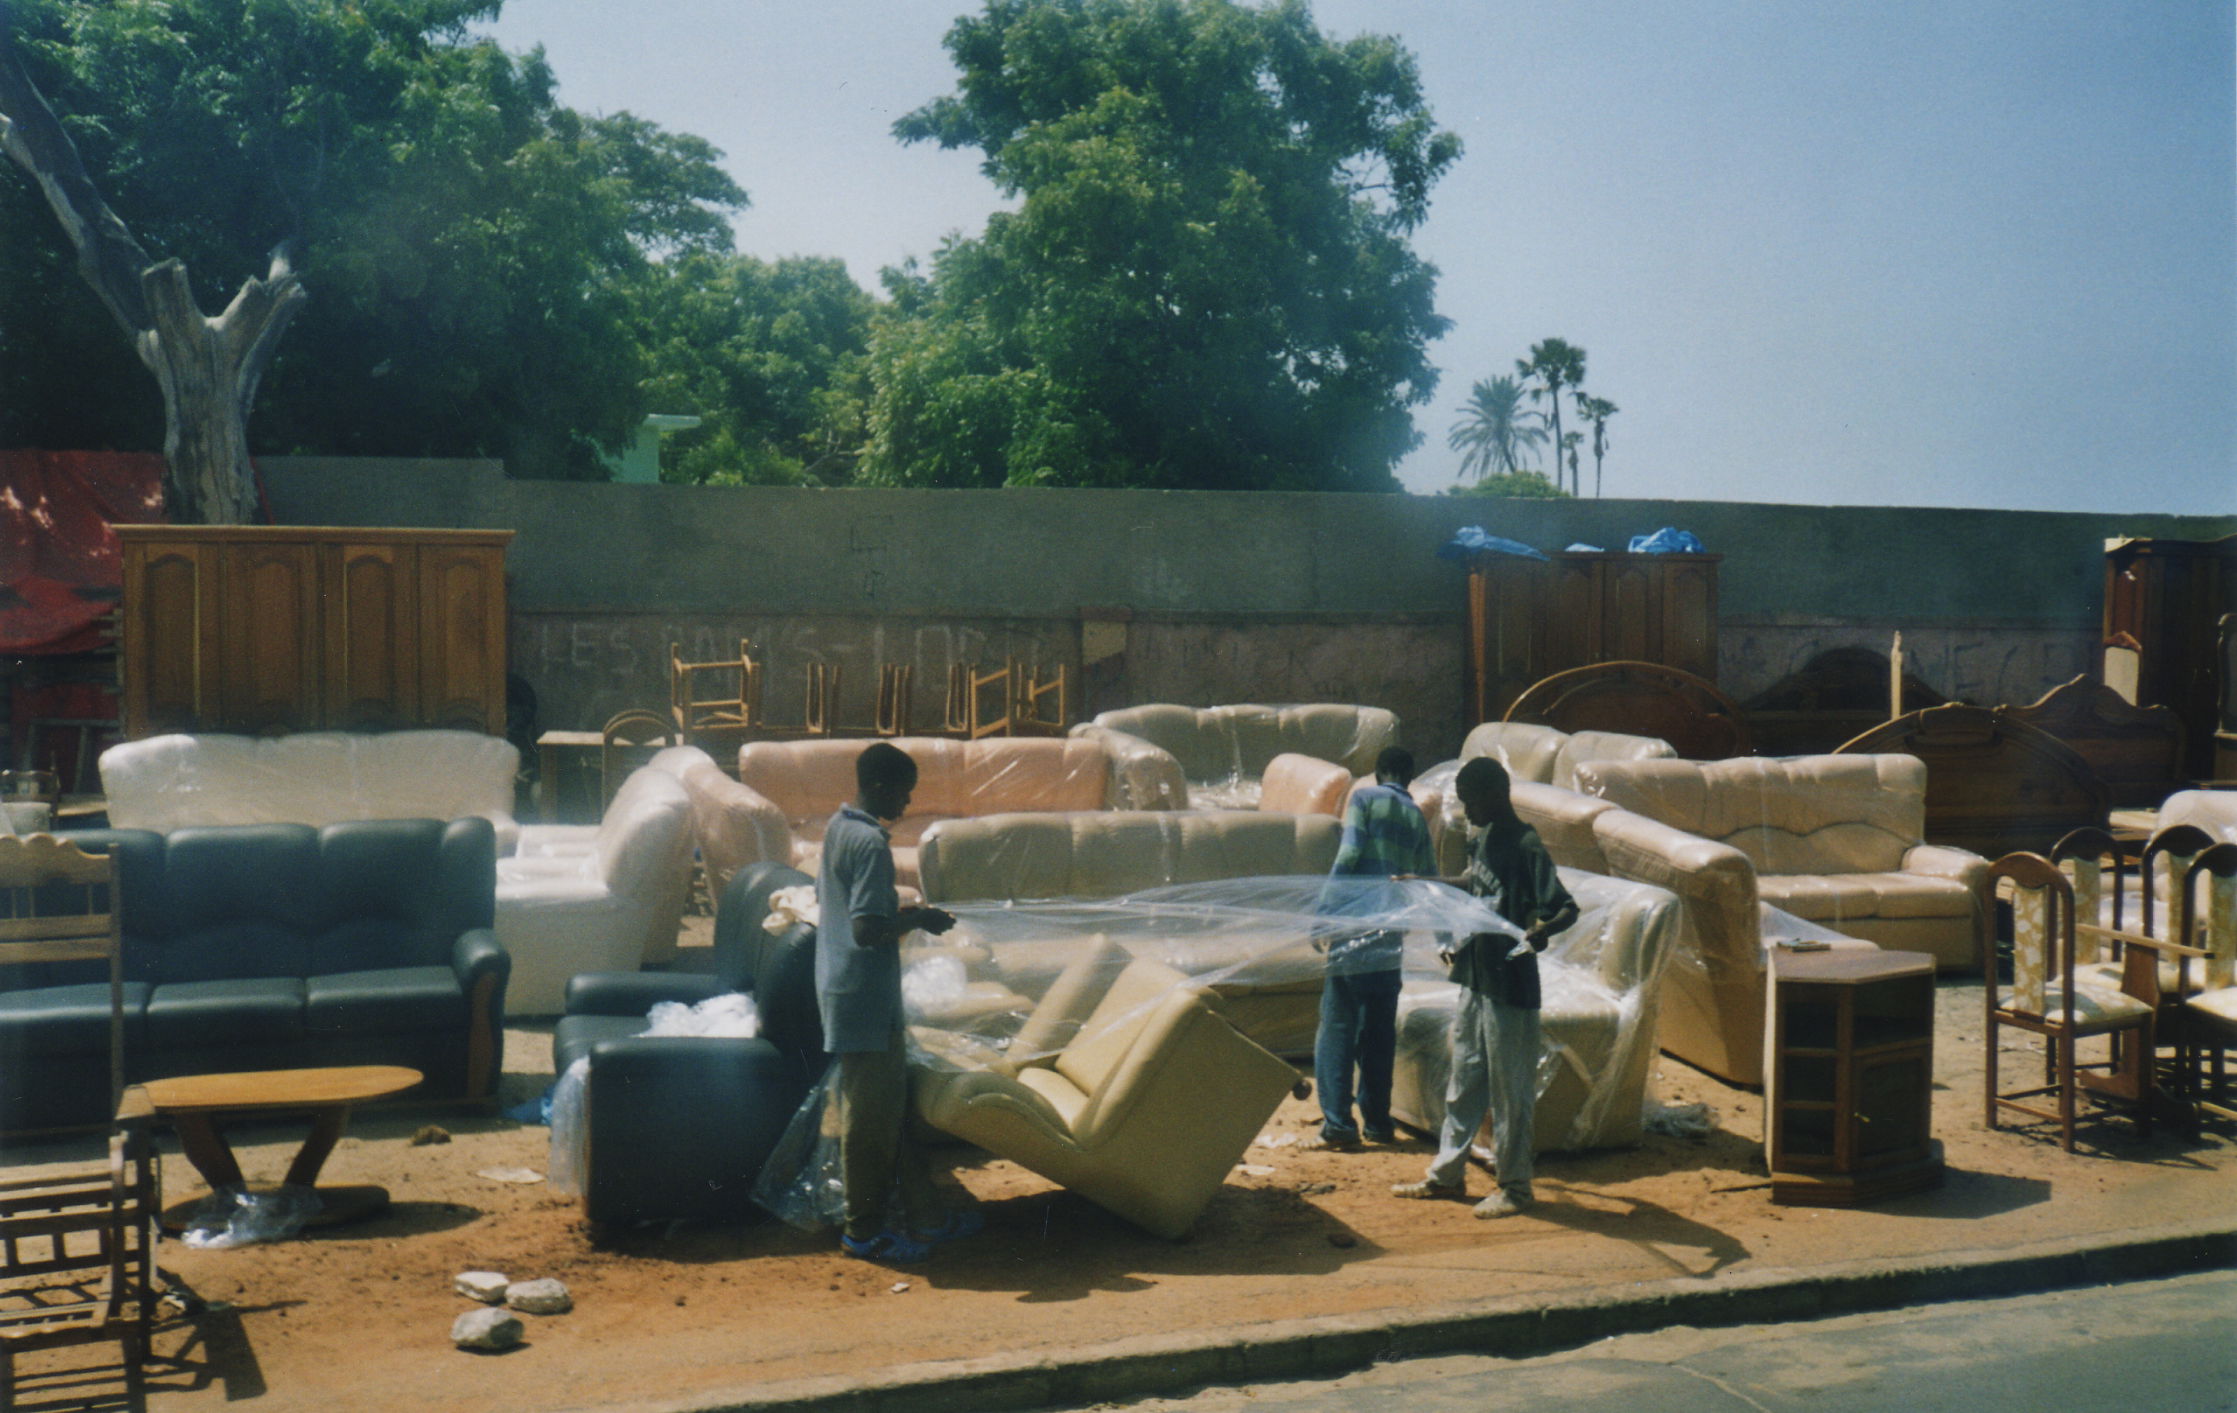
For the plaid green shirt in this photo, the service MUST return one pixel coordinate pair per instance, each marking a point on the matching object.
(1384, 834)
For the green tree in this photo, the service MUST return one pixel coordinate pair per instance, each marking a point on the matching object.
(1206, 281)
(472, 247)
(1553, 364)
(1494, 428)
(1597, 411)
(1515, 485)
(772, 357)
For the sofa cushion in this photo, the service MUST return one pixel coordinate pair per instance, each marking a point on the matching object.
(68, 1020)
(393, 1000)
(187, 1015)
(1527, 750)
(1110, 1029)
(397, 892)
(1832, 897)
(241, 902)
(1808, 814)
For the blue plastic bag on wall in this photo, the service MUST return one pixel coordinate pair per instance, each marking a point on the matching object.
(1474, 539)
(1667, 540)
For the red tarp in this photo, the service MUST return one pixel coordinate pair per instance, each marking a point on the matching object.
(60, 569)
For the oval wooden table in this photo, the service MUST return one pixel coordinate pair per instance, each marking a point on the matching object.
(193, 1104)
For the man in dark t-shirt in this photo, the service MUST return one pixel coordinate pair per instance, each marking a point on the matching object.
(1495, 1039)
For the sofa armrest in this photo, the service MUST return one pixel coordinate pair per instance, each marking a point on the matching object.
(1715, 884)
(680, 1127)
(1144, 776)
(633, 993)
(1942, 861)
(482, 967)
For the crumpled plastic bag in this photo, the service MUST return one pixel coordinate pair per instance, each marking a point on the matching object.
(1667, 540)
(230, 1217)
(801, 1184)
(792, 905)
(1678, 1120)
(1474, 539)
(731, 1014)
(933, 984)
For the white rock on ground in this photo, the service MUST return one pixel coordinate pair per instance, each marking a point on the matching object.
(486, 1329)
(540, 1297)
(486, 1286)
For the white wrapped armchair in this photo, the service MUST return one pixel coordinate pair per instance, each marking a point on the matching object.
(611, 901)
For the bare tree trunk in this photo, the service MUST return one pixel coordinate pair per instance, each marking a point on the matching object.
(208, 368)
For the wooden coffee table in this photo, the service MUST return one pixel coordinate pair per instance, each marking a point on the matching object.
(193, 1104)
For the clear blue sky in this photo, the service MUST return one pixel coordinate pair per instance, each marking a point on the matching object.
(1912, 252)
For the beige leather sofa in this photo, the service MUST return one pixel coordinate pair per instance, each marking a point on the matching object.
(1541, 764)
(791, 788)
(1133, 1092)
(1599, 1021)
(1226, 749)
(313, 777)
(1834, 840)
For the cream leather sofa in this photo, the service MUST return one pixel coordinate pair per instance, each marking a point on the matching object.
(314, 777)
(1834, 840)
(1230, 746)
(791, 788)
(1601, 1004)
(1133, 1092)
(1541, 764)
(612, 902)
(1107, 853)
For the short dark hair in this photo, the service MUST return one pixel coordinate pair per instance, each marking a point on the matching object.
(1481, 773)
(1395, 764)
(883, 765)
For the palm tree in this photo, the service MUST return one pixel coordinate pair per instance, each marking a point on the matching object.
(1553, 364)
(1597, 411)
(1494, 428)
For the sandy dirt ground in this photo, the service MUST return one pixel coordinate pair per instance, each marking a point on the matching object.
(358, 1317)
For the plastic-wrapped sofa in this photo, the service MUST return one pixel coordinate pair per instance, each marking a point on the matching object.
(678, 1128)
(612, 902)
(1224, 750)
(1836, 841)
(314, 777)
(1295, 784)
(795, 786)
(1602, 989)
(1541, 764)
(272, 946)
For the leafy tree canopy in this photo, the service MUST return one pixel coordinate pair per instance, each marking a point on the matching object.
(771, 355)
(1206, 281)
(472, 247)
(1518, 485)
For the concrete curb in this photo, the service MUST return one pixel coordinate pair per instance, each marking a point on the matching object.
(1512, 1327)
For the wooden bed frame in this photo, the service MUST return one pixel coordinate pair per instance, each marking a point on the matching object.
(2137, 751)
(1639, 699)
(1994, 783)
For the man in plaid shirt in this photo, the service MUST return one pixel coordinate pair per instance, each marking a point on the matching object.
(1384, 835)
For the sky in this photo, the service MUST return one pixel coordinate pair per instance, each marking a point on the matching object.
(1858, 252)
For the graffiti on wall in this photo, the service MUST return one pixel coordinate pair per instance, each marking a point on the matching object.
(1987, 665)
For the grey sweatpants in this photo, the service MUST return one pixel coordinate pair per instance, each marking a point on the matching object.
(875, 1153)
(1495, 1071)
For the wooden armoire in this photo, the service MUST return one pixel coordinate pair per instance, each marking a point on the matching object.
(263, 630)
(1530, 618)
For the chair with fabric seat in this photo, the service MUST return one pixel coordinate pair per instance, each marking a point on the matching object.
(2047, 998)
(628, 739)
(77, 1249)
(2205, 1020)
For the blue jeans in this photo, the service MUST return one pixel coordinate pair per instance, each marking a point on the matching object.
(1358, 1026)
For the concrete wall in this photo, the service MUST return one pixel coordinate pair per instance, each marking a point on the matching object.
(1196, 597)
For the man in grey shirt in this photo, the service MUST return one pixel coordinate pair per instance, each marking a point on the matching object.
(858, 991)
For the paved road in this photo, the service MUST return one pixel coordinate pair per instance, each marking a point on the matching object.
(2166, 1346)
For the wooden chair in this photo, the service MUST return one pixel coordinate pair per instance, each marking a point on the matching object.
(2048, 999)
(733, 709)
(629, 738)
(77, 1250)
(2205, 1021)
(890, 717)
(1039, 708)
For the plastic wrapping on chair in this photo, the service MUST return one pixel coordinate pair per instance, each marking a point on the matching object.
(1224, 750)
(731, 1015)
(312, 777)
(1044, 984)
(801, 1183)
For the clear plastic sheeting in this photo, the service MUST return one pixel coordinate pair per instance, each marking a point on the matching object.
(1114, 852)
(313, 777)
(790, 789)
(801, 1184)
(1052, 996)
(731, 1015)
(1219, 748)
(231, 1217)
